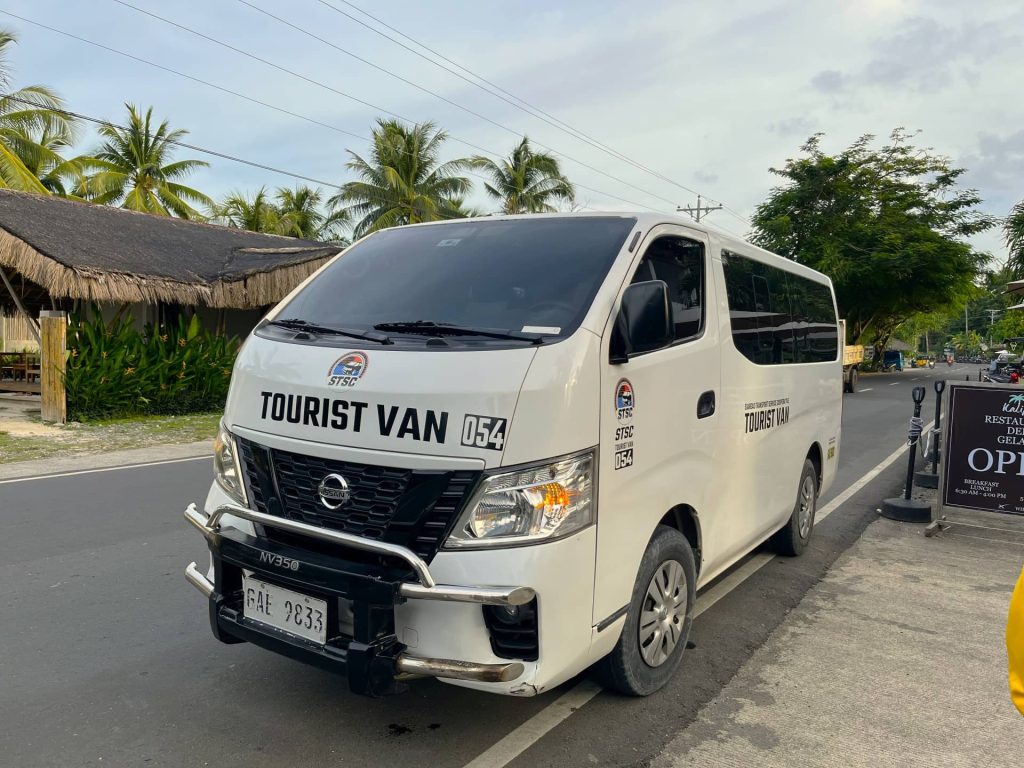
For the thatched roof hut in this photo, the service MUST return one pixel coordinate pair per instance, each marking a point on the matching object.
(57, 248)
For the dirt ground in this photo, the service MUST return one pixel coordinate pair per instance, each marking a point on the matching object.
(23, 435)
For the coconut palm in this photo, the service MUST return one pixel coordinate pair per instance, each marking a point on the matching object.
(526, 181)
(302, 215)
(1013, 233)
(403, 181)
(27, 115)
(133, 169)
(39, 149)
(257, 214)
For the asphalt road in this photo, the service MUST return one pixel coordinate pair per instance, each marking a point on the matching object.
(106, 658)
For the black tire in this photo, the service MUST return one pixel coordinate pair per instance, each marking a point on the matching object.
(793, 537)
(851, 385)
(625, 669)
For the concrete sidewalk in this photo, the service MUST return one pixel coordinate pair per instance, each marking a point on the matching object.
(896, 658)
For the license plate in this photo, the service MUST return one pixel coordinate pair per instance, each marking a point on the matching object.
(284, 609)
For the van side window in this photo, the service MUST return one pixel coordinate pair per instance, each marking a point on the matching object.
(778, 317)
(680, 264)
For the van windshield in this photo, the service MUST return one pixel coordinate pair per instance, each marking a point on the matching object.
(525, 276)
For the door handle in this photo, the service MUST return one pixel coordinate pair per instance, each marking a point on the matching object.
(706, 405)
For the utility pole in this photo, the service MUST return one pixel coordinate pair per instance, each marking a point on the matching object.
(699, 211)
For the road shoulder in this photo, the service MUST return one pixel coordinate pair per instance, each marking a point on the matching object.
(94, 461)
(895, 658)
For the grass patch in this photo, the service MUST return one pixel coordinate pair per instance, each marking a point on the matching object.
(109, 435)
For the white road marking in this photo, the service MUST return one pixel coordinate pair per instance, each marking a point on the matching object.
(866, 478)
(513, 744)
(105, 469)
(866, 389)
(893, 384)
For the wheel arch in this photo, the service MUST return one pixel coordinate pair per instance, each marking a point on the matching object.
(815, 456)
(684, 519)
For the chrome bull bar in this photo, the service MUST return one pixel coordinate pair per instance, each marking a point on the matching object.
(426, 589)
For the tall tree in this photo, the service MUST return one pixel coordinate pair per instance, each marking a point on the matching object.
(257, 214)
(26, 116)
(888, 226)
(302, 215)
(40, 148)
(403, 181)
(1013, 233)
(134, 169)
(526, 181)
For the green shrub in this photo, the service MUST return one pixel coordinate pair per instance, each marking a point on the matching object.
(115, 370)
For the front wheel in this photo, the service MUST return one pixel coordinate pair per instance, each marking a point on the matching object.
(792, 539)
(658, 620)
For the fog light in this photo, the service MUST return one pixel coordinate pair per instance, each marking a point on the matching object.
(507, 614)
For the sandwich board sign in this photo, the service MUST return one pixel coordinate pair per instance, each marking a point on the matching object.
(983, 449)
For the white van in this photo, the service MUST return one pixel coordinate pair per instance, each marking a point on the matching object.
(498, 451)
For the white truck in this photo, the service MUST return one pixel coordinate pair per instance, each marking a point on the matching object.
(498, 451)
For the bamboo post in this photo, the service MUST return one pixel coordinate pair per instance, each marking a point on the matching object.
(52, 364)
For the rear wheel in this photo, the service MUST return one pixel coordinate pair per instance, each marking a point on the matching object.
(851, 381)
(658, 620)
(792, 539)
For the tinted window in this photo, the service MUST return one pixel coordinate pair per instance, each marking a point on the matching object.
(680, 264)
(506, 275)
(778, 317)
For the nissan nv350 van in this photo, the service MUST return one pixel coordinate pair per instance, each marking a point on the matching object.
(499, 451)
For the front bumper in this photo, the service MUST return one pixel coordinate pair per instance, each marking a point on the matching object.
(371, 657)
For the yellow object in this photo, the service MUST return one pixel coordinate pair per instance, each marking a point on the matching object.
(1015, 644)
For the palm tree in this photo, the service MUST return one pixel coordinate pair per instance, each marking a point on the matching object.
(132, 169)
(526, 181)
(258, 214)
(39, 149)
(403, 182)
(26, 116)
(1013, 234)
(302, 215)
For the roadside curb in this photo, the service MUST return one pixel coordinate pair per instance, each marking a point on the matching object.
(76, 463)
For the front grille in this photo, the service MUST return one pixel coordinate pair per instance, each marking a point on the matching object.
(413, 508)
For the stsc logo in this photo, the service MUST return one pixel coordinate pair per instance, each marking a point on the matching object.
(347, 370)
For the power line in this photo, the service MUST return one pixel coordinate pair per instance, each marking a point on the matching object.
(276, 108)
(203, 150)
(320, 84)
(502, 93)
(176, 142)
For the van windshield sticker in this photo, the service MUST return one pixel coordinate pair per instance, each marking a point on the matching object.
(554, 330)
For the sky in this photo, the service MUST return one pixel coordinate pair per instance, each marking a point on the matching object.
(707, 97)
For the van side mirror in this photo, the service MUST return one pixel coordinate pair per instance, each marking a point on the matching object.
(644, 322)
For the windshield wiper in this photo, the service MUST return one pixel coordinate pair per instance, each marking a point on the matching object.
(431, 328)
(295, 324)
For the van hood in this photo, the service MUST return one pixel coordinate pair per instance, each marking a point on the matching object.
(456, 403)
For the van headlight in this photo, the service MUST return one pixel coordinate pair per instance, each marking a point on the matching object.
(529, 505)
(227, 467)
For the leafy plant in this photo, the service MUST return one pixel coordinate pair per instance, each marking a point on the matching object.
(115, 370)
